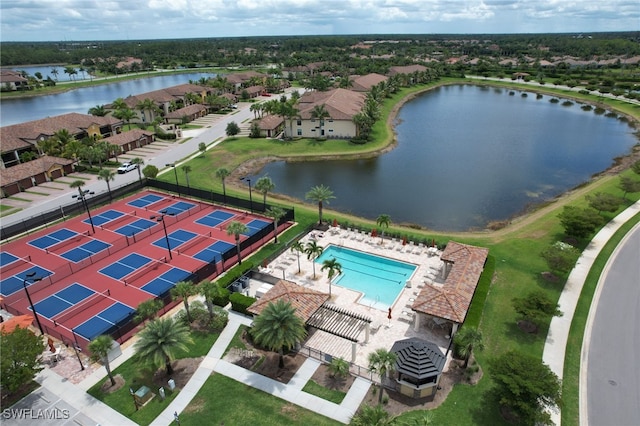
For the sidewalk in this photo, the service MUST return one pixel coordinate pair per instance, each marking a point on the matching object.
(291, 392)
(556, 344)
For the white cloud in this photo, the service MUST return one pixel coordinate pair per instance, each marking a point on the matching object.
(112, 19)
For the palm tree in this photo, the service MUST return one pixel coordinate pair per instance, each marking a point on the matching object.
(466, 340)
(77, 184)
(222, 174)
(334, 267)
(100, 348)
(236, 228)
(298, 248)
(381, 362)
(125, 114)
(147, 310)
(160, 340)
(210, 291)
(139, 162)
(55, 72)
(338, 368)
(187, 169)
(313, 250)
(373, 416)
(107, 176)
(148, 105)
(319, 112)
(264, 185)
(276, 213)
(119, 104)
(278, 328)
(98, 111)
(383, 221)
(181, 291)
(321, 194)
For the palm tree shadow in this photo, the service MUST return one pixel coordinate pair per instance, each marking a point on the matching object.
(488, 412)
(315, 142)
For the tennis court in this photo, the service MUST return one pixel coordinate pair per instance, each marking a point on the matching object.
(105, 322)
(125, 266)
(62, 300)
(16, 282)
(85, 250)
(176, 239)
(53, 238)
(93, 282)
(104, 217)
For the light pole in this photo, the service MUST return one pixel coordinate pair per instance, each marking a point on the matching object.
(250, 197)
(77, 349)
(31, 276)
(160, 218)
(82, 196)
(176, 173)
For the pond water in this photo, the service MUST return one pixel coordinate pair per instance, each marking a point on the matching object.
(80, 100)
(466, 156)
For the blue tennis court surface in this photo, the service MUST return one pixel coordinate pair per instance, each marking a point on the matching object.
(255, 226)
(177, 208)
(105, 217)
(176, 238)
(106, 321)
(87, 249)
(7, 258)
(53, 238)
(145, 201)
(14, 283)
(125, 266)
(215, 218)
(62, 300)
(214, 251)
(166, 281)
(135, 227)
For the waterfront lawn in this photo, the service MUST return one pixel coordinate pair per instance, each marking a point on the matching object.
(222, 400)
(136, 375)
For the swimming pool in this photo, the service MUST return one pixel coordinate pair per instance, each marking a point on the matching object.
(379, 279)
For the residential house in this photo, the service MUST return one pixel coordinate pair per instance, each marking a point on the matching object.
(271, 125)
(32, 173)
(341, 105)
(24, 137)
(364, 83)
(408, 69)
(132, 139)
(12, 80)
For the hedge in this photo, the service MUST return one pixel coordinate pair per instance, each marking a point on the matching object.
(240, 302)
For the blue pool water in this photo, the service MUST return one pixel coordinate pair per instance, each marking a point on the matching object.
(379, 279)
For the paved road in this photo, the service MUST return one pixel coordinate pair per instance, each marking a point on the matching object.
(177, 152)
(612, 345)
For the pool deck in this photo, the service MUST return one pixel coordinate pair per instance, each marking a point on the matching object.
(384, 331)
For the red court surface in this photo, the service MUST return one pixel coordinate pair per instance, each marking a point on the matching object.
(93, 278)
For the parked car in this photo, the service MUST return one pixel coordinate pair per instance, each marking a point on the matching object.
(126, 167)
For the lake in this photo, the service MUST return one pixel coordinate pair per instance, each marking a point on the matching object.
(467, 155)
(80, 100)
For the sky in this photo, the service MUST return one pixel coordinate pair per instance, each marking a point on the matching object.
(68, 20)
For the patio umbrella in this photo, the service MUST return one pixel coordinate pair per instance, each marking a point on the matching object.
(389, 315)
(22, 321)
(404, 241)
(335, 223)
(374, 232)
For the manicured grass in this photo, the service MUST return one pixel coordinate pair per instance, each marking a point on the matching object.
(236, 341)
(320, 391)
(571, 382)
(514, 250)
(136, 374)
(223, 400)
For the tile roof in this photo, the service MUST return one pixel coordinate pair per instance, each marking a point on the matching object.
(305, 300)
(270, 122)
(452, 300)
(25, 135)
(186, 111)
(409, 69)
(341, 104)
(127, 137)
(364, 83)
(30, 168)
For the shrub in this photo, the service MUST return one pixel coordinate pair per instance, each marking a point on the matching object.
(223, 299)
(240, 302)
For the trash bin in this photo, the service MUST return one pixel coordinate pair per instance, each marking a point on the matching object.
(172, 384)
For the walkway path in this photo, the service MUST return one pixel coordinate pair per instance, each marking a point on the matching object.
(556, 343)
(291, 392)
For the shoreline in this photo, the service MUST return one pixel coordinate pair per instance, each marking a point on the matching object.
(619, 164)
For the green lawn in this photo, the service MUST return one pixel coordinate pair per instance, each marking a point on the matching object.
(514, 249)
(320, 391)
(137, 375)
(223, 400)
